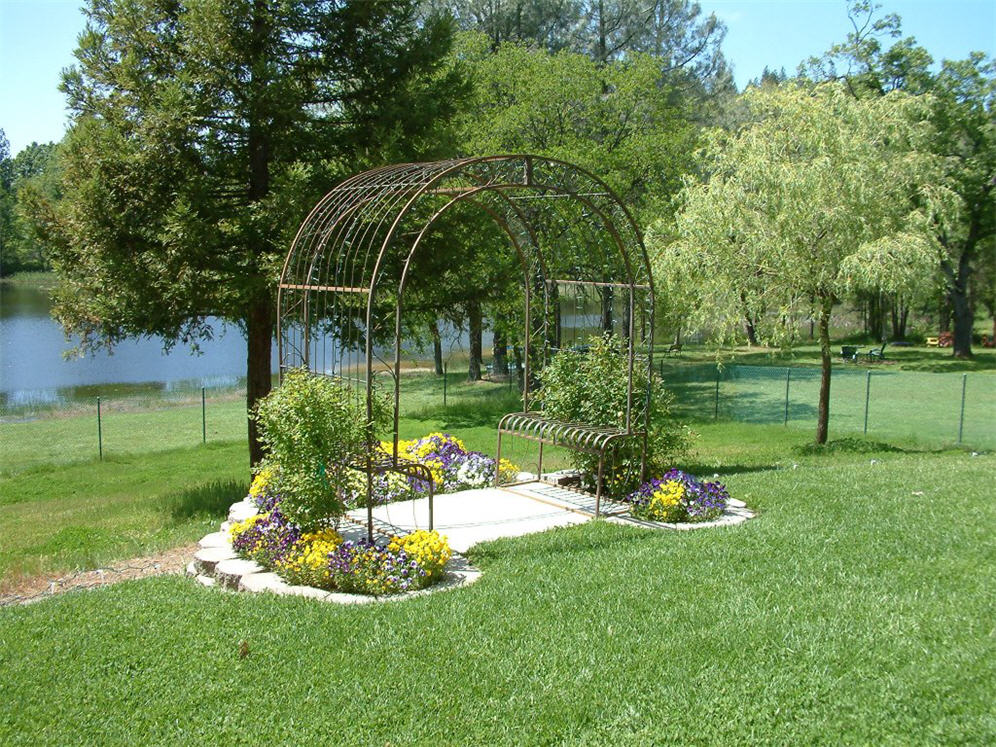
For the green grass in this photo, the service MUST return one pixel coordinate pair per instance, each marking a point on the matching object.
(124, 431)
(62, 517)
(856, 609)
(912, 358)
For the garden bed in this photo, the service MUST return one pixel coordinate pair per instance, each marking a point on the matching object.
(217, 563)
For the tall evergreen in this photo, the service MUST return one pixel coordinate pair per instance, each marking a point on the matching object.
(203, 131)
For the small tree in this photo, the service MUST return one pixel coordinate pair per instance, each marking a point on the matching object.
(313, 427)
(812, 199)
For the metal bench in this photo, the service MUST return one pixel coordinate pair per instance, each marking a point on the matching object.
(597, 441)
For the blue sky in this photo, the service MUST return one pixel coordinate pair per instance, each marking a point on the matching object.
(37, 38)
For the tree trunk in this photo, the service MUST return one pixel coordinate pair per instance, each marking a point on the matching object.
(900, 315)
(259, 331)
(751, 330)
(500, 354)
(437, 348)
(823, 416)
(607, 299)
(964, 319)
(476, 323)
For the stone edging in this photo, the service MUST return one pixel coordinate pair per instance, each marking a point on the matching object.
(216, 564)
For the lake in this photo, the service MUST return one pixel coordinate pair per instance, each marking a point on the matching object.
(34, 371)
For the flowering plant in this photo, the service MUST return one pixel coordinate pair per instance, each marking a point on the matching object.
(678, 496)
(453, 467)
(406, 563)
(264, 490)
(265, 538)
(323, 560)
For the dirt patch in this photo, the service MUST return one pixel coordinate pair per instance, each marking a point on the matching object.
(35, 588)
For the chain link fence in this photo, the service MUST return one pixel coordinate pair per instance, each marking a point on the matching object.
(929, 409)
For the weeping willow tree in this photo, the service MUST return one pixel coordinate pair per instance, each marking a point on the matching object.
(819, 195)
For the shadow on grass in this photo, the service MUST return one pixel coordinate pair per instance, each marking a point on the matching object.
(209, 500)
(856, 446)
(482, 411)
(704, 471)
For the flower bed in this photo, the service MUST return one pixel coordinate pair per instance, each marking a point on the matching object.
(453, 468)
(323, 560)
(678, 497)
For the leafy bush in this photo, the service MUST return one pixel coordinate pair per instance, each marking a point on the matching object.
(679, 496)
(313, 426)
(589, 386)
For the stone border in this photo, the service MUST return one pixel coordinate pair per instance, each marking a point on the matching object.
(736, 513)
(215, 564)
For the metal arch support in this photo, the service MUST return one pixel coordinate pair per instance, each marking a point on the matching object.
(339, 255)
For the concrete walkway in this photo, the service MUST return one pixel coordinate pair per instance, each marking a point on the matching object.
(473, 516)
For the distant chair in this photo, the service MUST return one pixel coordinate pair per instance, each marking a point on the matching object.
(877, 354)
(848, 353)
(673, 350)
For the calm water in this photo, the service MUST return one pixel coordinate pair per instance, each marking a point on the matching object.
(33, 369)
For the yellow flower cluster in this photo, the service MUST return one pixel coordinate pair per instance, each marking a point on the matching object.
(239, 527)
(262, 481)
(507, 471)
(429, 549)
(664, 503)
(307, 562)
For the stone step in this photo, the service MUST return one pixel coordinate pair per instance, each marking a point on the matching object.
(228, 573)
(207, 558)
(215, 539)
(242, 510)
(191, 569)
(258, 582)
(205, 581)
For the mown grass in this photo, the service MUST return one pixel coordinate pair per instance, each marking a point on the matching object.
(856, 609)
(64, 517)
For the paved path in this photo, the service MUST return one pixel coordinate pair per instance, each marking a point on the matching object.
(473, 516)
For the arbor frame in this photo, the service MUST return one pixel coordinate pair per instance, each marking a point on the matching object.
(340, 299)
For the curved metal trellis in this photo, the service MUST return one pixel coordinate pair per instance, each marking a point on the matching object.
(341, 299)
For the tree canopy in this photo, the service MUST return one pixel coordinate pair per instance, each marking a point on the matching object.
(203, 132)
(963, 95)
(813, 198)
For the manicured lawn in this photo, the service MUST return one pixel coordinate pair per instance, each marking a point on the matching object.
(63, 517)
(857, 608)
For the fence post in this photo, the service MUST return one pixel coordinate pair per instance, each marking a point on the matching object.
(868, 384)
(662, 368)
(716, 413)
(204, 428)
(961, 418)
(100, 433)
(446, 369)
(788, 377)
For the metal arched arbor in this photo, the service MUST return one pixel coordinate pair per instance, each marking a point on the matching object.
(584, 269)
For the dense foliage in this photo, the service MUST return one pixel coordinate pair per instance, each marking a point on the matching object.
(589, 385)
(821, 193)
(202, 132)
(313, 427)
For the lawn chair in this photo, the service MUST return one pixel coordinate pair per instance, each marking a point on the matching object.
(848, 353)
(673, 350)
(877, 354)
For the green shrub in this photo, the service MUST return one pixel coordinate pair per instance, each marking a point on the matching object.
(589, 386)
(313, 426)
